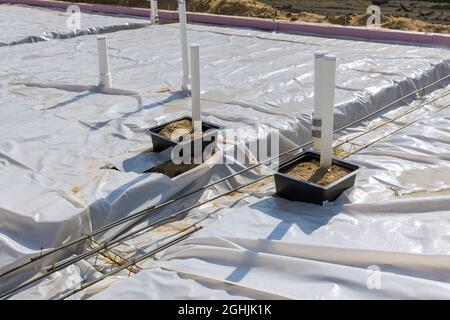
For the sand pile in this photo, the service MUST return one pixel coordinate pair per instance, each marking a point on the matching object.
(420, 16)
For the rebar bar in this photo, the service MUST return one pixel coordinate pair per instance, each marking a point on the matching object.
(393, 119)
(129, 264)
(155, 207)
(67, 262)
(391, 133)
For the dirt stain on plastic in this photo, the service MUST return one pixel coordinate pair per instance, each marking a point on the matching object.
(76, 189)
(169, 228)
(172, 170)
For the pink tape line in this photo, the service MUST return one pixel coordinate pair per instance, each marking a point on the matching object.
(271, 25)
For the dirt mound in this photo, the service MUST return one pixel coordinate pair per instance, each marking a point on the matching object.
(248, 8)
(181, 127)
(402, 15)
(311, 171)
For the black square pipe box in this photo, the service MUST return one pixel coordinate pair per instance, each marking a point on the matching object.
(296, 189)
(161, 143)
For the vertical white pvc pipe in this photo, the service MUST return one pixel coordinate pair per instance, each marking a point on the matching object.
(326, 142)
(195, 89)
(318, 95)
(153, 11)
(184, 42)
(104, 73)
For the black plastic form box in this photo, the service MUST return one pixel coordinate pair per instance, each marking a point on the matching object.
(161, 143)
(296, 189)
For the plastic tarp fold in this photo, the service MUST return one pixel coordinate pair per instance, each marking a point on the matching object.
(21, 25)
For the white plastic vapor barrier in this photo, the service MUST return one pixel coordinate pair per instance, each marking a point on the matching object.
(31, 24)
(384, 239)
(74, 157)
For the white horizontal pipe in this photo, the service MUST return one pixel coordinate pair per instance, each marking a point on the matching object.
(195, 89)
(327, 112)
(153, 11)
(104, 73)
(318, 95)
(184, 43)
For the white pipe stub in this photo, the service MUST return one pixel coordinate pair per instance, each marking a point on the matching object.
(154, 19)
(318, 95)
(327, 111)
(184, 44)
(195, 89)
(105, 80)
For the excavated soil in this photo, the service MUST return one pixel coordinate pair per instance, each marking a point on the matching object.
(172, 170)
(311, 171)
(169, 130)
(423, 16)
